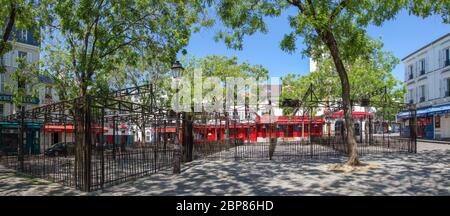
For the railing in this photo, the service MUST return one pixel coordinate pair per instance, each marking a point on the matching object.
(319, 147)
(107, 169)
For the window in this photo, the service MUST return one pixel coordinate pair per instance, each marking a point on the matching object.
(2, 82)
(1, 110)
(410, 96)
(23, 35)
(422, 90)
(422, 66)
(48, 92)
(444, 57)
(447, 92)
(447, 56)
(22, 54)
(411, 71)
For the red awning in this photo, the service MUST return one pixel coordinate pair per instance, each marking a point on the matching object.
(68, 128)
(340, 114)
(58, 128)
(288, 120)
(122, 126)
(165, 130)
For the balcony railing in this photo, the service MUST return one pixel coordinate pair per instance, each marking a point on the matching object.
(422, 99)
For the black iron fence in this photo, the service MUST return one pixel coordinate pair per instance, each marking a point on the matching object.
(317, 148)
(111, 145)
(107, 169)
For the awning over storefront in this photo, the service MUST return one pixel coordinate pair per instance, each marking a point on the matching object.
(288, 120)
(429, 111)
(68, 128)
(165, 130)
(441, 109)
(419, 113)
(340, 114)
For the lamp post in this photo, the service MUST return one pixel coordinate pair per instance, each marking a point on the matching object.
(177, 69)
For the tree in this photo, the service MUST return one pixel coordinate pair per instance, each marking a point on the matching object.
(216, 71)
(19, 14)
(337, 27)
(89, 39)
(370, 79)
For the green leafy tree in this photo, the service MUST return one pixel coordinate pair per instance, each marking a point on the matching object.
(19, 14)
(370, 79)
(94, 37)
(337, 27)
(221, 67)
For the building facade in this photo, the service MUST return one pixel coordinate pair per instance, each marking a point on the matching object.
(427, 80)
(25, 46)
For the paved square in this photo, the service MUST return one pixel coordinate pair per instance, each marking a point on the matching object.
(426, 173)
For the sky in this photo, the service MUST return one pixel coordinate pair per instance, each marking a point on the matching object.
(401, 36)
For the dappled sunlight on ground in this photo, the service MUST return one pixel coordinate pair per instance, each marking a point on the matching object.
(426, 173)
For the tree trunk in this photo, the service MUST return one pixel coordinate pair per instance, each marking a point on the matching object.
(9, 27)
(188, 138)
(330, 41)
(83, 145)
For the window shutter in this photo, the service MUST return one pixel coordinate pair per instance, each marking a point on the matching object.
(415, 94)
(415, 69)
(29, 58)
(406, 73)
(15, 55)
(7, 59)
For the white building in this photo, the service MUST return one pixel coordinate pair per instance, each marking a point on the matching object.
(24, 46)
(427, 79)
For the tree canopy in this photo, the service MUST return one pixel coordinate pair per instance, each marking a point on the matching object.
(91, 40)
(369, 79)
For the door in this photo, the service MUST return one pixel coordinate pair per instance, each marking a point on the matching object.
(55, 138)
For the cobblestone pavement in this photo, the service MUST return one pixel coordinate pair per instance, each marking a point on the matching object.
(425, 173)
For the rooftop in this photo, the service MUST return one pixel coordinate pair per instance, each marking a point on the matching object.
(424, 47)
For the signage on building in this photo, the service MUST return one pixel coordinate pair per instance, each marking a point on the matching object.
(27, 99)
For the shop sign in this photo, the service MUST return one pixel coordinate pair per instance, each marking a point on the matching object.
(27, 99)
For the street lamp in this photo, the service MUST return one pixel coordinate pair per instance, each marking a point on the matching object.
(177, 69)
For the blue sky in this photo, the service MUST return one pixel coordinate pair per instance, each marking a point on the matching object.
(401, 36)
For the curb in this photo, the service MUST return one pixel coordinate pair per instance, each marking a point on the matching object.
(433, 141)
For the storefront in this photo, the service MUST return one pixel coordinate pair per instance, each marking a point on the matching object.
(441, 117)
(10, 136)
(432, 122)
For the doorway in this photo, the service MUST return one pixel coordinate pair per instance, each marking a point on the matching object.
(55, 138)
